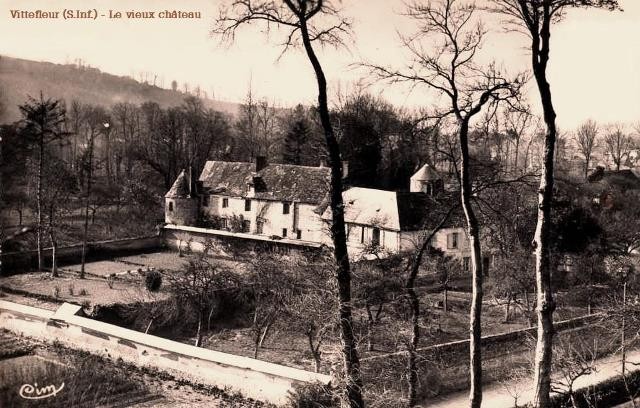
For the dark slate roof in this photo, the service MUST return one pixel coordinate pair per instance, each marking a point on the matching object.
(623, 179)
(420, 211)
(180, 188)
(281, 182)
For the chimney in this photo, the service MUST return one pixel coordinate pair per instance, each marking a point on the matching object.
(193, 183)
(261, 163)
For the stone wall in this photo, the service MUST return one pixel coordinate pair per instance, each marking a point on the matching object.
(232, 244)
(252, 378)
(28, 260)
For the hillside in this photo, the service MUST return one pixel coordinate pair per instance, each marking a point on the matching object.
(19, 78)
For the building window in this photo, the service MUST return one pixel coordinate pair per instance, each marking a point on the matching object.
(259, 226)
(246, 226)
(466, 264)
(225, 202)
(170, 205)
(224, 223)
(298, 234)
(452, 240)
(284, 232)
(285, 208)
(375, 237)
(362, 236)
(247, 205)
(205, 200)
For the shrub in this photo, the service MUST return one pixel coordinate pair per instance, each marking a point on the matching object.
(153, 281)
(313, 395)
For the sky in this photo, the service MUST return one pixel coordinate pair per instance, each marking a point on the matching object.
(594, 70)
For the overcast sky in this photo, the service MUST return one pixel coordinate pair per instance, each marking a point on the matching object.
(594, 71)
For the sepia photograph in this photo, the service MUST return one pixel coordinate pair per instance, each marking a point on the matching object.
(320, 203)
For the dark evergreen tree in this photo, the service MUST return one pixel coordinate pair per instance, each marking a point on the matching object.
(295, 142)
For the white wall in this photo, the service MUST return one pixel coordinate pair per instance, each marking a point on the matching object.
(253, 378)
(301, 216)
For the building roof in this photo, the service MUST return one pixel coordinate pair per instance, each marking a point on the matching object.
(391, 210)
(623, 179)
(426, 173)
(281, 182)
(180, 187)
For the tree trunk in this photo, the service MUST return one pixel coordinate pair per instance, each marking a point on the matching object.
(445, 299)
(545, 304)
(414, 302)
(473, 229)
(264, 334)
(54, 255)
(506, 309)
(369, 327)
(315, 351)
(149, 325)
(199, 330)
(39, 202)
(85, 234)
(351, 359)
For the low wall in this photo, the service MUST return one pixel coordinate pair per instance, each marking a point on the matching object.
(252, 378)
(232, 244)
(28, 260)
(444, 367)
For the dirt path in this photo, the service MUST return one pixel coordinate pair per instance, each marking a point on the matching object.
(503, 396)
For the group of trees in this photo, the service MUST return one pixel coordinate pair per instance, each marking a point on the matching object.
(442, 57)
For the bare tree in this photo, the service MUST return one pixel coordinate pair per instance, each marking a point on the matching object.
(534, 19)
(618, 145)
(450, 69)
(518, 123)
(301, 18)
(42, 119)
(586, 140)
(272, 288)
(59, 188)
(96, 122)
(197, 287)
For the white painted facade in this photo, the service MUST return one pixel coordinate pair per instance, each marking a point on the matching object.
(292, 220)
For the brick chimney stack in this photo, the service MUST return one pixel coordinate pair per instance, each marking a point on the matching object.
(261, 163)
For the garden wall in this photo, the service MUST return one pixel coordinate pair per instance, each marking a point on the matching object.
(444, 367)
(232, 244)
(28, 260)
(252, 378)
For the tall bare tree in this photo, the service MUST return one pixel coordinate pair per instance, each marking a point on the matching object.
(95, 121)
(314, 22)
(450, 69)
(586, 140)
(535, 18)
(43, 120)
(618, 144)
